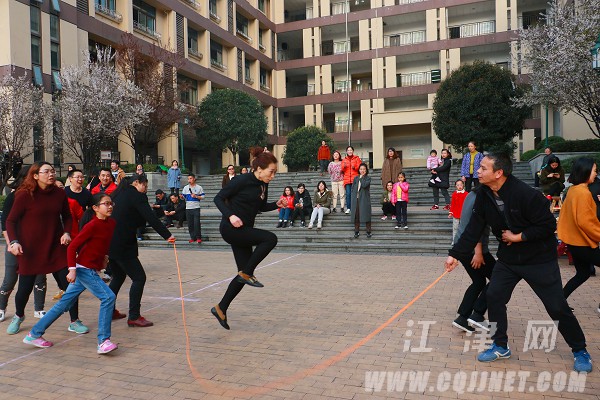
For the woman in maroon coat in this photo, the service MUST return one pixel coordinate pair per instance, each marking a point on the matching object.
(39, 237)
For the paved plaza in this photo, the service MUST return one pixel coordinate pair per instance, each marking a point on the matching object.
(311, 333)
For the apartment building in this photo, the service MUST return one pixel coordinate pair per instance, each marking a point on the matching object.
(364, 70)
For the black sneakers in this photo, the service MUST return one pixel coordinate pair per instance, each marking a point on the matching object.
(478, 321)
(461, 323)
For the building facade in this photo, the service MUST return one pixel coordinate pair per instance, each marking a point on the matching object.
(364, 70)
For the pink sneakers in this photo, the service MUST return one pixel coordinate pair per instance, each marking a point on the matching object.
(39, 342)
(106, 347)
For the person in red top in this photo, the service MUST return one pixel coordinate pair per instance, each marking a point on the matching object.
(456, 206)
(87, 254)
(350, 166)
(324, 156)
(39, 229)
(77, 214)
(286, 212)
(106, 185)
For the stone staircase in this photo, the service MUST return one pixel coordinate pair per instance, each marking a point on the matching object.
(429, 232)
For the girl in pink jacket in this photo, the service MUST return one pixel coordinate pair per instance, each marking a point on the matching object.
(399, 198)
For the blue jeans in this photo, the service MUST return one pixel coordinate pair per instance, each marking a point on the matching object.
(285, 213)
(348, 196)
(86, 279)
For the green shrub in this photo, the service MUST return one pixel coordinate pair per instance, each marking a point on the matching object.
(588, 145)
(552, 141)
(2, 198)
(529, 154)
(567, 164)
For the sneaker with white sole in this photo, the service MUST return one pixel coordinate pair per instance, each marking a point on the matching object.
(583, 361)
(106, 347)
(477, 320)
(393, 217)
(319, 225)
(37, 342)
(78, 327)
(2, 315)
(493, 353)
(347, 211)
(39, 314)
(397, 227)
(384, 218)
(15, 325)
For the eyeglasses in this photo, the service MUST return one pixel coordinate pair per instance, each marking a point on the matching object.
(48, 171)
(107, 203)
(77, 177)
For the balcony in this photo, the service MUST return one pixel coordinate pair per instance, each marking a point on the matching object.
(143, 29)
(341, 86)
(310, 89)
(343, 7)
(404, 39)
(470, 30)
(218, 65)
(527, 21)
(340, 8)
(413, 79)
(107, 12)
(341, 125)
(400, 2)
(309, 13)
(289, 54)
(192, 3)
(195, 53)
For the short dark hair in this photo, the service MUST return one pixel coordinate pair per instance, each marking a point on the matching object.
(192, 175)
(301, 185)
(105, 169)
(116, 162)
(581, 170)
(501, 161)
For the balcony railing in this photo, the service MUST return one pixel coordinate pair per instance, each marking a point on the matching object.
(146, 31)
(470, 30)
(243, 35)
(341, 86)
(414, 79)
(195, 53)
(341, 47)
(218, 65)
(527, 21)
(404, 39)
(107, 12)
(192, 3)
(310, 90)
(400, 2)
(289, 54)
(341, 125)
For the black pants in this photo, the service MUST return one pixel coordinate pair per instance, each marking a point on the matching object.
(301, 212)
(401, 216)
(132, 268)
(242, 240)
(436, 195)
(26, 283)
(179, 216)
(388, 208)
(583, 257)
(471, 182)
(175, 190)
(555, 189)
(474, 298)
(545, 281)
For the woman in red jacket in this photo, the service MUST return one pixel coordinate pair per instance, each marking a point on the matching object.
(350, 166)
(39, 238)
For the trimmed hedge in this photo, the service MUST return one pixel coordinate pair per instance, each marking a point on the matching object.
(568, 163)
(578, 145)
(529, 154)
(552, 141)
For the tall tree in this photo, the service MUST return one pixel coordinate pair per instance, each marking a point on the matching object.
(557, 53)
(21, 109)
(95, 105)
(152, 69)
(302, 146)
(475, 103)
(232, 119)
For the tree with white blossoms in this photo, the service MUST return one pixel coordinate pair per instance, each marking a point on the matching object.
(557, 51)
(95, 105)
(21, 109)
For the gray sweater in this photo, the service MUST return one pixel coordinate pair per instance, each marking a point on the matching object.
(465, 217)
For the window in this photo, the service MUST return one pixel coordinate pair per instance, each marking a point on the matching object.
(188, 90)
(55, 55)
(34, 20)
(36, 50)
(108, 5)
(212, 7)
(261, 5)
(263, 78)
(37, 75)
(216, 52)
(247, 74)
(54, 27)
(56, 5)
(241, 24)
(144, 16)
(193, 41)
